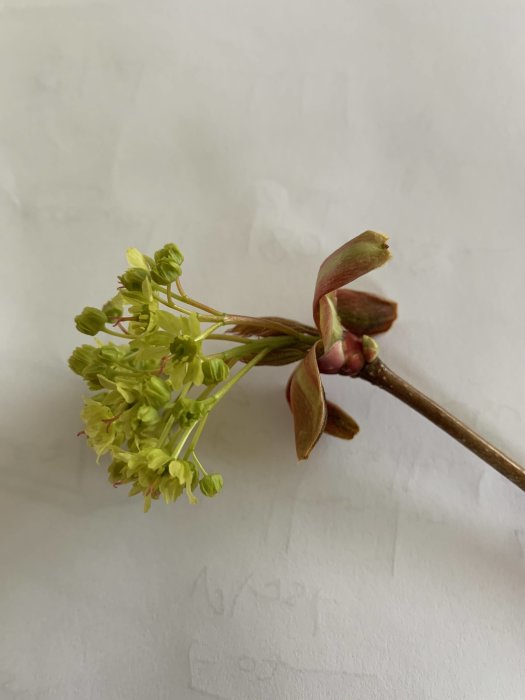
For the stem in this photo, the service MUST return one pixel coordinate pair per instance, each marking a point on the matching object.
(380, 375)
(196, 436)
(197, 304)
(209, 331)
(182, 310)
(267, 323)
(229, 337)
(199, 426)
(169, 303)
(180, 444)
(166, 430)
(253, 346)
(193, 302)
(247, 367)
(197, 462)
(128, 336)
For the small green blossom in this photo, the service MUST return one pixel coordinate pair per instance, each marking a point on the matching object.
(186, 474)
(133, 278)
(100, 426)
(184, 348)
(90, 321)
(170, 488)
(189, 411)
(147, 414)
(167, 267)
(157, 392)
(214, 371)
(211, 484)
(157, 459)
(110, 354)
(114, 307)
(81, 358)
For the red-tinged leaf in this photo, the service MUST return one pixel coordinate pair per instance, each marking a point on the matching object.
(339, 423)
(305, 394)
(364, 313)
(353, 259)
(329, 323)
(332, 361)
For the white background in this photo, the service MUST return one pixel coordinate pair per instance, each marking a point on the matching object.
(259, 136)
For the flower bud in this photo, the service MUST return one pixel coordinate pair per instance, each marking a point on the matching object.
(116, 472)
(81, 357)
(92, 372)
(189, 411)
(184, 348)
(110, 354)
(215, 371)
(157, 392)
(211, 484)
(113, 308)
(147, 414)
(168, 261)
(370, 348)
(90, 321)
(133, 278)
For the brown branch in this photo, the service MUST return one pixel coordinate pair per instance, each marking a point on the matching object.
(380, 375)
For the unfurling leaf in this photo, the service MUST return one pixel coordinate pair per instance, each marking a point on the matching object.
(307, 402)
(362, 313)
(353, 259)
(339, 424)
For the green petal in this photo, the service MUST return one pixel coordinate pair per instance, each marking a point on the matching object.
(177, 469)
(194, 373)
(157, 458)
(136, 259)
(353, 259)
(364, 313)
(307, 403)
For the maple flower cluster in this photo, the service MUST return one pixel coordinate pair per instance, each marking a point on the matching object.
(141, 413)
